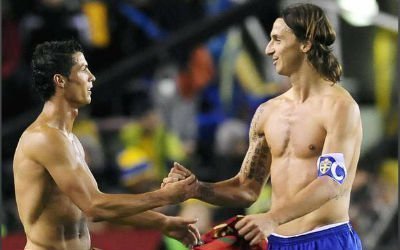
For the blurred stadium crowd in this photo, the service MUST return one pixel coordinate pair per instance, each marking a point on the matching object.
(179, 80)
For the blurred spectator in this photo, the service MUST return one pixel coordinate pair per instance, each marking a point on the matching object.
(11, 48)
(137, 24)
(149, 147)
(176, 91)
(54, 20)
(46, 20)
(96, 12)
(231, 143)
(10, 42)
(86, 129)
(375, 200)
(230, 147)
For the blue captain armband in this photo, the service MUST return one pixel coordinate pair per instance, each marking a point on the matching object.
(332, 165)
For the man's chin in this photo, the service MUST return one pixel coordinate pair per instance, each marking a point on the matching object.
(88, 100)
(281, 72)
(84, 103)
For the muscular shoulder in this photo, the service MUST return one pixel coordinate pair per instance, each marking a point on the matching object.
(340, 102)
(260, 117)
(339, 108)
(273, 103)
(40, 140)
(264, 111)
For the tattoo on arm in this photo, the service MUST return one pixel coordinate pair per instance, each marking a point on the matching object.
(255, 165)
(257, 158)
(257, 162)
(206, 190)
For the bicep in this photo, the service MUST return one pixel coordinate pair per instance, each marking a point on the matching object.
(70, 173)
(256, 165)
(344, 136)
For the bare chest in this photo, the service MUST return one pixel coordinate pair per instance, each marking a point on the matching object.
(80, 157)
(295, 131)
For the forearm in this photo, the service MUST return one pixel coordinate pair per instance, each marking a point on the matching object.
(229, 193)
(307, 200)
(115, 206)
(145, 220)
(243, 189)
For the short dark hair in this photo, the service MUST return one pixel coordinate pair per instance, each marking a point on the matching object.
(50, 58)
(309, 23)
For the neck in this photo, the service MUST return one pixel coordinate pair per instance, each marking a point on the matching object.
(305, 83)
(59, 114)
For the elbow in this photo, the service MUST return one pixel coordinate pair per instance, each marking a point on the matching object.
(336, 193)
(247, 195)
(96, 219)
(93, 217)
(248, 203)
(334, 190)
(248, 199)
(94, 211)
(93, 214)
(331, 195)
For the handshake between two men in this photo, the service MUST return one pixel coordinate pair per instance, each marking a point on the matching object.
(252, 228)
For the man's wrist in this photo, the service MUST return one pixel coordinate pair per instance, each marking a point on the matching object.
(275, 217)
(163, 221)
(164, 197)
(200, 190)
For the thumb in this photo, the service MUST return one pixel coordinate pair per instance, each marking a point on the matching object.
(190, 220)
(190, 179)
(182, 168)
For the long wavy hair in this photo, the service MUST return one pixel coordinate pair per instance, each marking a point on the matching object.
(309, 23)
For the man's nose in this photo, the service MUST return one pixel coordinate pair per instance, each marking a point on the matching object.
(269, 50)
(92, 77)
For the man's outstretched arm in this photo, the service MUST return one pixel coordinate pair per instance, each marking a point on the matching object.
(243, 189)
(72, 176)
(178, 228)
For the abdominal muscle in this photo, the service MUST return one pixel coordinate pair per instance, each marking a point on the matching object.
(61, 225)
(45, 237)
(290, 178)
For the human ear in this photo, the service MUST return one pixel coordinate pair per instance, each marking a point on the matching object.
(59, 80)
(305, 46)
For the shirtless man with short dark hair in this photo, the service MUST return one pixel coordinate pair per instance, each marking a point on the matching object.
(56, 193)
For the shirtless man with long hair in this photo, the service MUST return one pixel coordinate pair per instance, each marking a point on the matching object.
(306, 141)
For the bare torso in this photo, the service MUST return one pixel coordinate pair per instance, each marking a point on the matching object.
(295, 133)
(50, 219)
